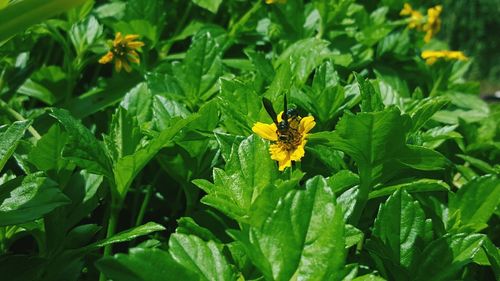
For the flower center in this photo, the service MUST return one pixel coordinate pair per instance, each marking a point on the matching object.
(290, 137)
(120, 50)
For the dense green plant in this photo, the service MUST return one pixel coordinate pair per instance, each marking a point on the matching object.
(156, 174)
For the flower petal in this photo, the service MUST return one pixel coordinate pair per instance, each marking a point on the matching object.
(279, 117)
(106, 58)
(285, 163)
(127, 66)
(118, 65)
(277, 153)
(118, 39)
(130, 37)
(306, 124)
(298, 153)
(135, 44)
(266, 131)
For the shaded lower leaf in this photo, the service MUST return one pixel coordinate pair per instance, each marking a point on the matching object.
(28, 198)
(443, 258)
(10, 138)
(144, 264)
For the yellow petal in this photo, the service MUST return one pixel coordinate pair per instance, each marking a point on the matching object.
(306, 124)
(118, 65)
(407, 9)
(298, 153)
(135, 44)
(118, 39)
(279, 116)
(133, 59)
(106, 58)
(285, 163)
(266, 131)
(130, 37)
(126, 66)
(277, 153)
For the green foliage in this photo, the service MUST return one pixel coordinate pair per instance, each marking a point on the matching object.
(160, 174)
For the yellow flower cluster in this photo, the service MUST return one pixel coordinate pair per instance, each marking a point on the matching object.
(430, 25)
(290, 149)
(432, 56)
(415, 16)
(122, 51)
(433, 24)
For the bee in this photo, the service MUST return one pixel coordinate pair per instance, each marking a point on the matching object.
(287, 128)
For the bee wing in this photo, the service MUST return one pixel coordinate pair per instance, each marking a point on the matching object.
(284, 116)
(270, 110)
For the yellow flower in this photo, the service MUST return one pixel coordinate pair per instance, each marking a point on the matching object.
(415, 16)
(275, 1)
(122, 51)
(433, 24)
(290, 147)
(432, 56)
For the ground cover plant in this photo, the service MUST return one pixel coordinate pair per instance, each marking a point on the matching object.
(242, 140)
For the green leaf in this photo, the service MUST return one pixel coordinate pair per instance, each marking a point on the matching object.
(238, 117)
(476, 202)
(420, 185)
(47, 84)
(10, 138)
(399, 226)
(82, 147)
(144, 264)
(47, 153)
(370, 99)
(304, 55)
(424, 110)
(126, 168)
(204, 258)
(493, 256)
(211, 5)
(343, 180)
(165, 111)
(248, 172)
(200, 69)
(443, 258)
(124, 135)
(22, 14)
(352, 236)
(25, 199)
(127, 235)
(84, 34)
(138, 102)
(421, 158)
(303, 239)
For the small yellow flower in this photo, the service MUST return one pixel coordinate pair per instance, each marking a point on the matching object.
(433, 24)
(122, 51)
(432, 56)
(415, 16)
(275, 1)
(291, 148)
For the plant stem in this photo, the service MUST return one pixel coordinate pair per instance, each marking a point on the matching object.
(112, 221)
(144, 205)
(16, 115)
(244, 19)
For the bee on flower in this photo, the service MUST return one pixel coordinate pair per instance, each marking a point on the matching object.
(432, 56)
(288, 134)
(122, 50)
